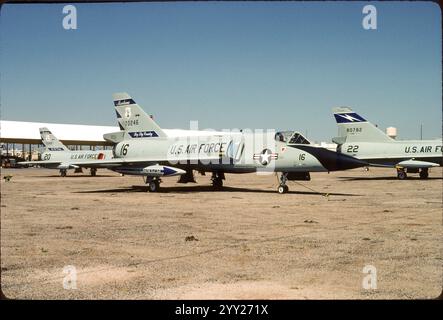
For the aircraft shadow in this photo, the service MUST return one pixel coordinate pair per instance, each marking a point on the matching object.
(385, 178)
(76, 176)
(193, 189)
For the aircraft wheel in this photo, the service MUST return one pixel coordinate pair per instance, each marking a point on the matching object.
(424, 174)
(93, 172)
(282, 189)
(217, 183)
(63, 173)
(154, 186)
(401, 174)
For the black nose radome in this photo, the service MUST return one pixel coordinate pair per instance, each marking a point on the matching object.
(332, 160)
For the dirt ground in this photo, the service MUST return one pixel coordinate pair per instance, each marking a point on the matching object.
(245, 242)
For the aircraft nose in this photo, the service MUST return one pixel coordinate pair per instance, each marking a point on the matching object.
(332, 160)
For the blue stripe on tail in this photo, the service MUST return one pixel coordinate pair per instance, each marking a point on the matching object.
(348, 118)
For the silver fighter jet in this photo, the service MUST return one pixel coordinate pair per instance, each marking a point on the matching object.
(143, 148)
(57, 156)
(359, 138)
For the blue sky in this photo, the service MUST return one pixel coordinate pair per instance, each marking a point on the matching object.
(277, 65)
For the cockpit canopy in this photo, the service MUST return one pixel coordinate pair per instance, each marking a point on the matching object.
(291, 137)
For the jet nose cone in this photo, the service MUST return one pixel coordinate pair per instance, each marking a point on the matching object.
(332, 160)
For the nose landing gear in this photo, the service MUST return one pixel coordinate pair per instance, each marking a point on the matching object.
(63, 172)
(283, 188)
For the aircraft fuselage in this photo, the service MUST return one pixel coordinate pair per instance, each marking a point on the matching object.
(224, 153)
(392, 153)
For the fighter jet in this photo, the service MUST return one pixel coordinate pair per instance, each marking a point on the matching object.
(57, 156)
(359, 138)
(143, 148)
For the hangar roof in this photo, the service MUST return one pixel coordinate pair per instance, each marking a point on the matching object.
(72, 134)
(28, 132)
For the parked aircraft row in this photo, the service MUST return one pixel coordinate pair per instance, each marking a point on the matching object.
(142, 148)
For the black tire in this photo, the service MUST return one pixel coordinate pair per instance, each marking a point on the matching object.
(282, 189)
(63, 173)
(217, 184)
(93, 172)
(401, 174)
(424, 174)
(153, 186)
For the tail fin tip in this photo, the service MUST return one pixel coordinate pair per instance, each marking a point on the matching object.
(354, 128)
(346, 115)
(122, 98)
(50, 141)
(133, 119)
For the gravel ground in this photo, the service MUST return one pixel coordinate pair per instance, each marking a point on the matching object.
(245, 242)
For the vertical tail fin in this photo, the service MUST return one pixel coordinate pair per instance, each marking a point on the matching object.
(133, 120)
(354, 128)
(50, 141)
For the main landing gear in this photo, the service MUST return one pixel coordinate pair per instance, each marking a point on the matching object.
(217, 180)
(63, 172)
(187, 177)
(93, 172)
(153, 184)
(283, 188)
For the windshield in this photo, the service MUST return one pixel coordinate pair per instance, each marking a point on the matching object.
(291, 137)
(284, 136)
(297, 138)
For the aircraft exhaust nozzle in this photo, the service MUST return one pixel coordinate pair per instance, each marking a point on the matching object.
(332, 160)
